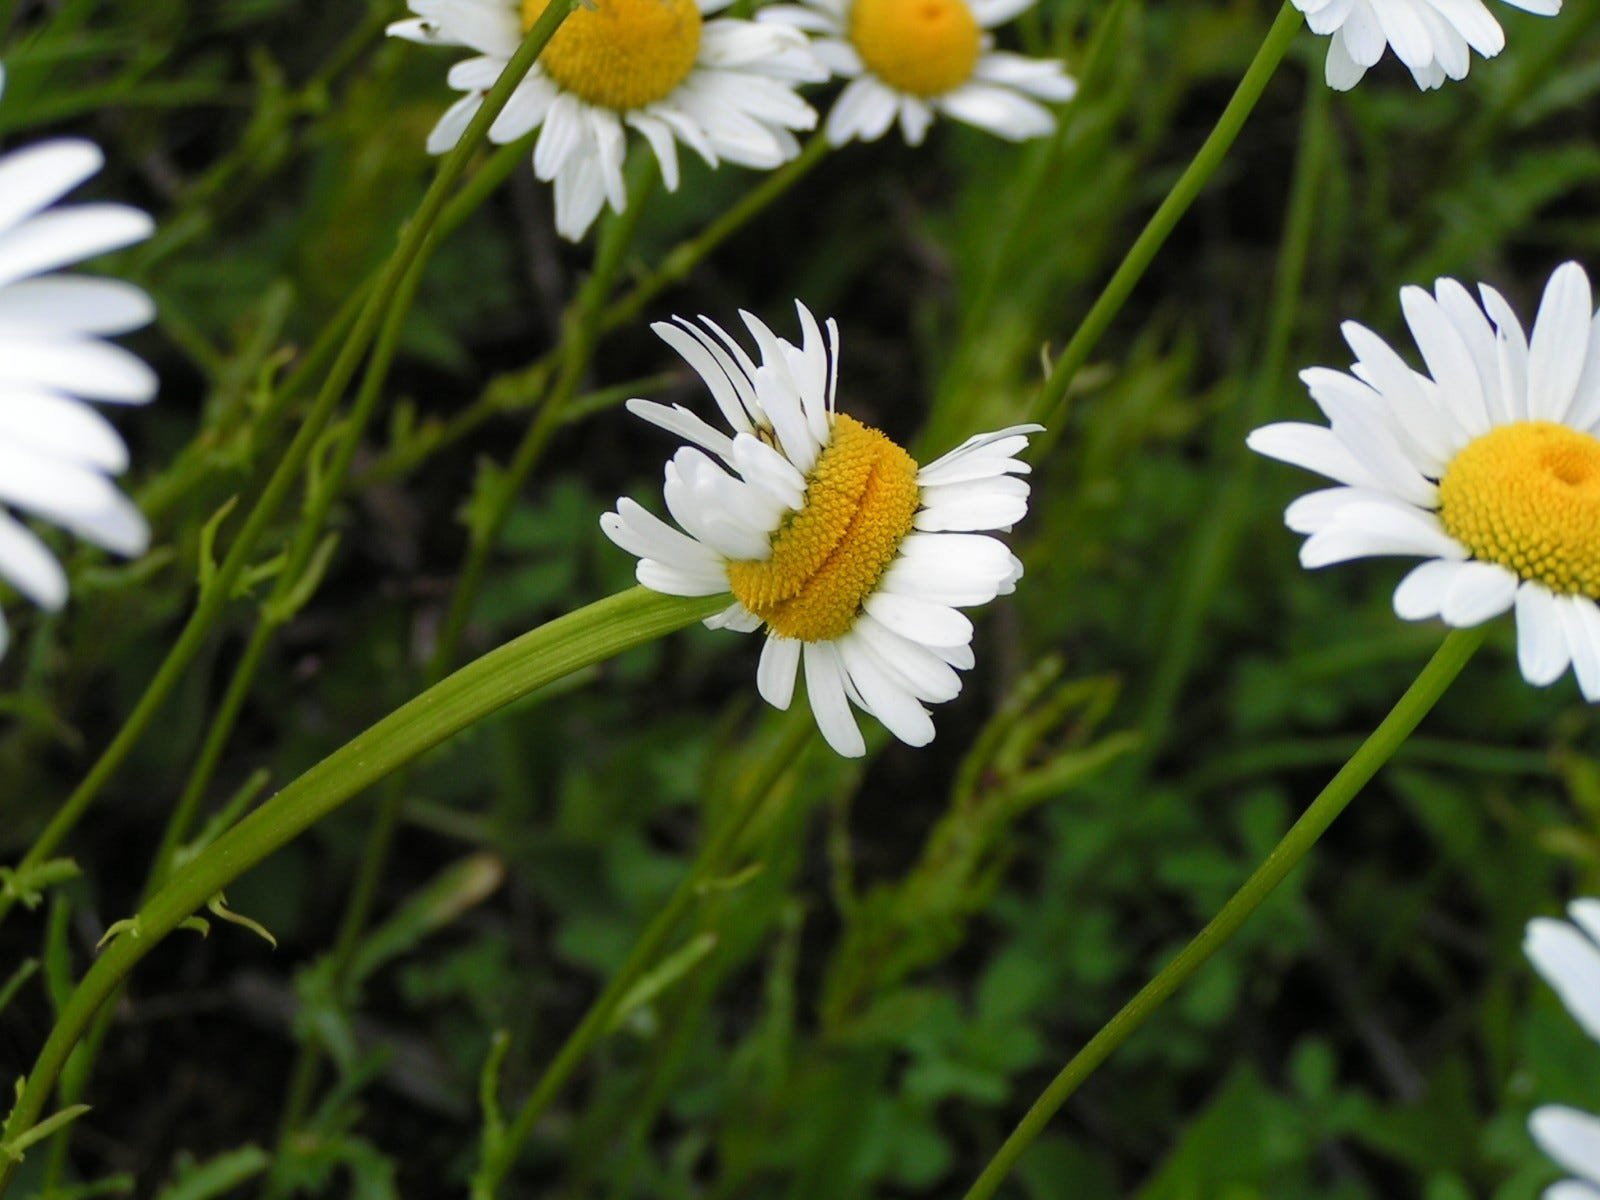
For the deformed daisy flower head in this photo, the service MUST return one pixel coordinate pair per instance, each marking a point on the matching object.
(1487, 466)
(57, 452)
(1567, 954)
(852, 558)
(912, 58)
(1433, 38)
(724, 88)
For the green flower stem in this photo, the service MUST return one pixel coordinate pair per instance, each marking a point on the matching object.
(687, 255)
(570, 643)
(1039, 168)
(580, 335)
(575, 351)
(1419, 699)
(714, 860)
(1215, 539)
(214, 599)
(1049, 407)
(298, 577)
(528, 382)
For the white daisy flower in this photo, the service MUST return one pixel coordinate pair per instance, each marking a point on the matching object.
(723, 88)
(1488, 466)
(829, 535)
(1568, 956)
(56, 452)
(912, 58)
(1434, 38)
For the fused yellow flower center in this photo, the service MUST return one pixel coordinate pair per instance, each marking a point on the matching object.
(621, 54)
(924, 47)
(1527, 496)
(828, 557)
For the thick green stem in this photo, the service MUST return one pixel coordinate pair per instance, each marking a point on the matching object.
(1050, 405)
(580, 639)
(214, 599)
(1418, 700)
(501, 1154)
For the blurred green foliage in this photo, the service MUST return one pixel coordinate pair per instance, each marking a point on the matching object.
(904, 951)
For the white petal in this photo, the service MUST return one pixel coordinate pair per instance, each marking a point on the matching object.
(1570, 1137)
(36, 177)
(775, 676)
(1422, 592)
(1478, 591)
(68, 235)
(825, 688)
(919, 620)
(79, 365)
(29, 566)
(1560, 343)
(1569, 963)
(885, 699)
(1541, 642)
(1373, 530)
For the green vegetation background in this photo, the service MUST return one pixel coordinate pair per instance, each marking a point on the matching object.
(910, 946)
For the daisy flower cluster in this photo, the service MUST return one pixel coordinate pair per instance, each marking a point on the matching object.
(1487, 466)
(57, 453)
(724, 88)
(1433, 38)
(910, 59)
(854, 560)
(1567, 955)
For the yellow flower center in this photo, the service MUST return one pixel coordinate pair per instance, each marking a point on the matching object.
(828, 557)
(924, 47)
(1527, 496)
(621, 54)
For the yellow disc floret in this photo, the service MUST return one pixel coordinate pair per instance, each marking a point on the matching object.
(1527, 496)
(828, 557)
(621, 54)
(924, 47)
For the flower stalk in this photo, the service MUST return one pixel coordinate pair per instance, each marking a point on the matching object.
(214, 599)
(570, 643)
(1049, 407)
(1419, 699)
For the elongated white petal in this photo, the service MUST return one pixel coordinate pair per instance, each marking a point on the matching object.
(775, 676)
(825, 689)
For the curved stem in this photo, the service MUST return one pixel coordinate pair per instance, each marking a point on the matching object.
(1418, 700)
(567, 644)
(1049, 407)
(214, 598)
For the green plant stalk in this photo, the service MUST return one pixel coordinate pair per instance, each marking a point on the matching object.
(687, 255)
(1419, 699)
(712, 861)
(1038, 171)
(213, 600)
(676, 266)
(553, 413)
(580, 335)
(590, 635)
(302, 551)
(1049, 407)
(1216, 535)
(576, 349)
